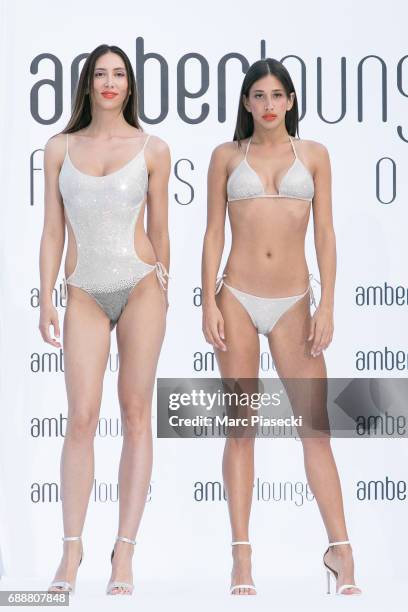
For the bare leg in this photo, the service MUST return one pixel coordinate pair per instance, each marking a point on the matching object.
(86, 350)
(291, 354)
(241, 360)
(140, 334)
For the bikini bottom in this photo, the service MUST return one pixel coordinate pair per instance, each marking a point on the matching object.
(265, 312)
(112, 297)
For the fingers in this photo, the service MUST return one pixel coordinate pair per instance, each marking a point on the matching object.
(312, 328)
(55, 324)
(214, 338)
(215, 335)
(322, 338)
(44, 328)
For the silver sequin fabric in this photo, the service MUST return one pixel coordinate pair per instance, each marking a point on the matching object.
(103, 211)
(244, 183)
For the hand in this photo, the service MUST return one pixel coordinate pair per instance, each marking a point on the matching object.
(49, 316)
(321, 329)
(213, 326)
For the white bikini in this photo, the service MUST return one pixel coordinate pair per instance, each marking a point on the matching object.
(245, 184)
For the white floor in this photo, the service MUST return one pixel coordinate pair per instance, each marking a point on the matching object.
(210, 596)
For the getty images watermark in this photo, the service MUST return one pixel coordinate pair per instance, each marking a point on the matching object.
(273, 407)
(211, 401)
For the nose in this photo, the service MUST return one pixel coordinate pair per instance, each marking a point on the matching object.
(268, 104)
(108, 81)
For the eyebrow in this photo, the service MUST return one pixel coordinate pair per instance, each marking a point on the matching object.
(263, 91)
(118, 68)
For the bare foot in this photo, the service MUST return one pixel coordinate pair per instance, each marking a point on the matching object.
(340, 559)
(67, 569)
(241, 569)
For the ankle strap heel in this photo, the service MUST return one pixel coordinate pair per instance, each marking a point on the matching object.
(123, 539)
(63, 586)
(124, 588)
(241, 586)
(332, 573)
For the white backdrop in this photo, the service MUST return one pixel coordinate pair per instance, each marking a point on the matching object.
(288, 535)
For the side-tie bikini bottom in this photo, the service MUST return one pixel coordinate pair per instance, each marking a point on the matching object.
(265, 312)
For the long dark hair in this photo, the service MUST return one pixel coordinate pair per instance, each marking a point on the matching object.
(81, 113)
(245, 123)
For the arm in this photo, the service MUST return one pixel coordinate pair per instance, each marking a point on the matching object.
(325, 244)
(213, 323)
(52, 239)
(158, 199)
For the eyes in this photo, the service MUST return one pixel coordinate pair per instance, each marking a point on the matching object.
(101, 73)
(275, 95)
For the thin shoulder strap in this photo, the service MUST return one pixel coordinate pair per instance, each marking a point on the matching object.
(249, 142)
(293, 145)
(145, 142)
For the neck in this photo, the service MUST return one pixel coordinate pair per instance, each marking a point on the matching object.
(270, 137)
(107, 123)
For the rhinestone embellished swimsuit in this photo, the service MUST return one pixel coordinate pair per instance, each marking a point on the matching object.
(102, 212)
(245, 184)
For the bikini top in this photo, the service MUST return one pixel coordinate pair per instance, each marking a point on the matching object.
(244, 183)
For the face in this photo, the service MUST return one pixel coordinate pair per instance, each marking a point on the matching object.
(268, 102)
(110, 82)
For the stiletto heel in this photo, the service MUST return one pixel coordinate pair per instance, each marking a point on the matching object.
(241, 586)
(115, 584)
(328, 581)
(331, 573)
(63, 586)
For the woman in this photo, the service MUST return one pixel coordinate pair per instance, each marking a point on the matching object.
(270, 182)
(99, 174)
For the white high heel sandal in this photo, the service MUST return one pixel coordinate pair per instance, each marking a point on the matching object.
(63, 586)
(331, 573)
(241, 586)
(115, 584)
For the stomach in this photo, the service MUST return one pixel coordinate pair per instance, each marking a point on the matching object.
(267, 256)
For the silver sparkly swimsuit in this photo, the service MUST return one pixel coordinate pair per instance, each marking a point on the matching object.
(245, 184)
(103, 211)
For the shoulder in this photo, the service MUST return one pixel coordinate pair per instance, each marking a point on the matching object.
(157, 152)
(224, 152)
(157, 145)
(312, 148)
(56, 143)
(55, 148)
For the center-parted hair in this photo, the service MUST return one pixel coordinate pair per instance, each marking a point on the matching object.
(245, 123)
(82, 112)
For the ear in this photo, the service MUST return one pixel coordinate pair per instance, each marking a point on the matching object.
(245, 103)
(291, 100)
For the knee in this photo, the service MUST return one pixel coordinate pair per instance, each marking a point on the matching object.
(136, 415)
(242, 444)
(82, 423)
(317, 444)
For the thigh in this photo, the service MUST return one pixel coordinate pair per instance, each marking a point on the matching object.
(289, 346)
(140, 333)
(86, 344)
(290, 351)
(241, 359)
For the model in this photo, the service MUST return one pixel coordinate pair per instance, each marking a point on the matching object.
(101, 173)
(270, 180)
